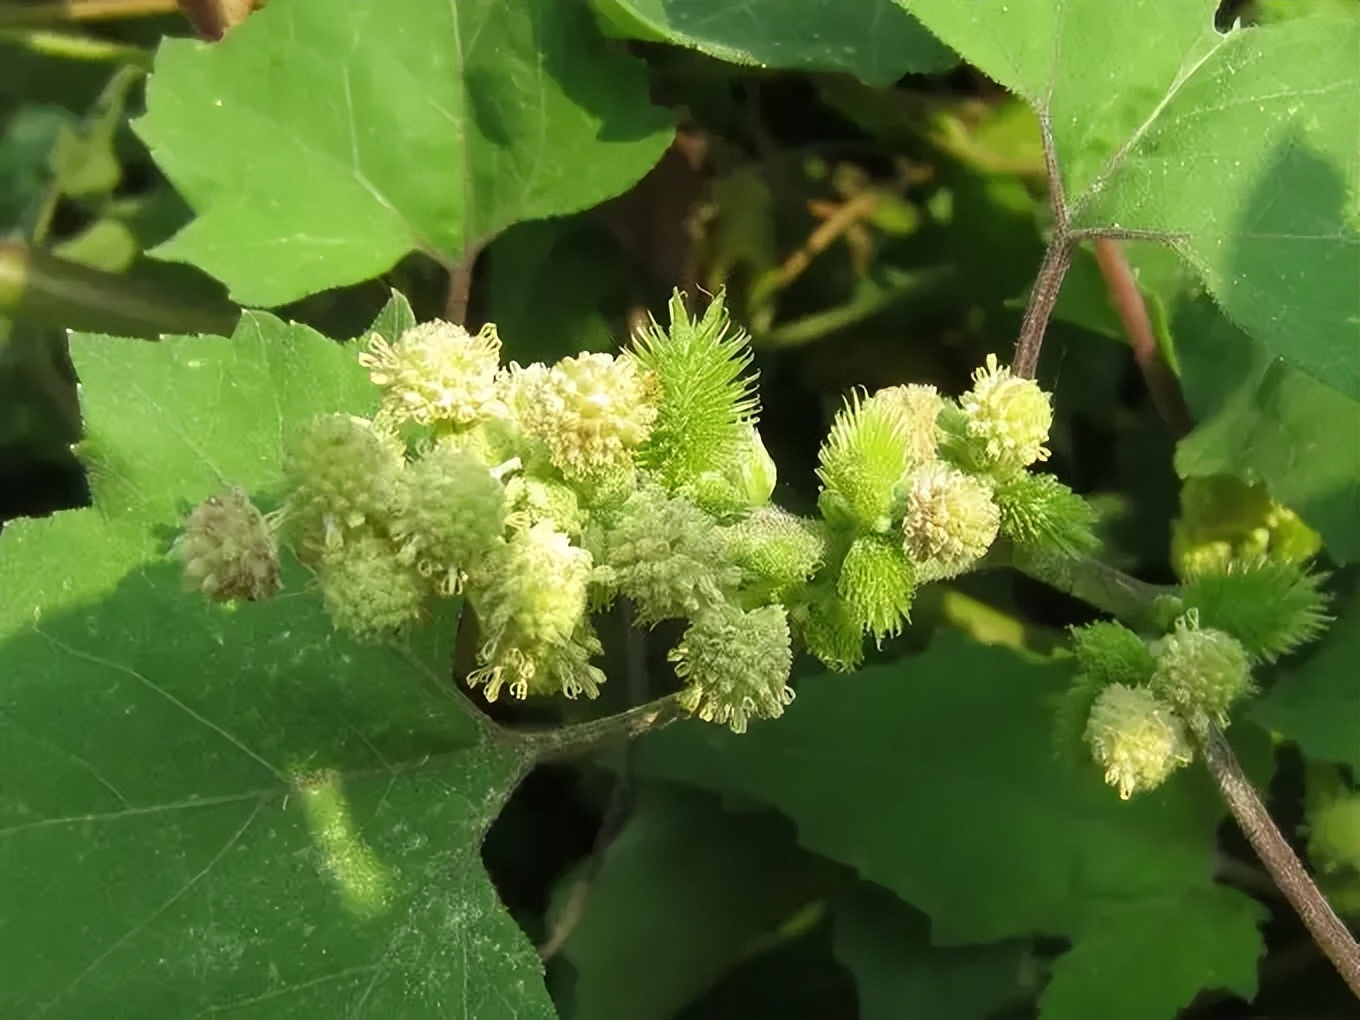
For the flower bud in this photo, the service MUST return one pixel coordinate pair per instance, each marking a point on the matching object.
(1007, 419)
(876, 582)
(664, 554)
(1040, 512)
(342, 473)
(919, 408)
(736, 665)
(776, 551)
(950, 522)
(1202, 672)
(437, 372)
(1136, 738)
(746, 481)
(1112, 654)
(591, 411)
(228, 550)
(369, 592)
(450, 513)
(827, 629)
(862, 463)
(530, 599)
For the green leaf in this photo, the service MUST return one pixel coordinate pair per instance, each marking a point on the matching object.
(230, 810)
(1316, 703)
(1206, 938)
(886, 945)
(1240, 149)
(319, 143)
(1262, 420)
(871, 39)
(937, 779)
(669, 912)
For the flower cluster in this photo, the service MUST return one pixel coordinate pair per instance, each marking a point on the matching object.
(541, 494)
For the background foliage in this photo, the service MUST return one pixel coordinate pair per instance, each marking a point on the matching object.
(236, 812)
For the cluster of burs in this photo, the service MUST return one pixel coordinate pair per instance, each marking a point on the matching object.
(540, 495)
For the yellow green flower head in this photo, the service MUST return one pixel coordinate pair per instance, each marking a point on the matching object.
(563, 667)
(530, 598)
(736, 665)
(664, 554)
(1136, 738)
(919, 407)
(1008, 417)
(542, 499)
(368, 591)
(591, 411)
(342, 473)
(1042, 513)
(876, 582)
(776, 551)
(450, 513)
(950, 522)
(1201, 671)
(228, 550)
(863, 460)
(437, 372)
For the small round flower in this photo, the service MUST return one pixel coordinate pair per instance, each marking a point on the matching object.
(665, 555)
(437, 372)
(736, 665)
(591, 411)
(451, 511)
(1202, 672)
(776, 551)
(877, 582)
(538, 499)
(342, 474)
(1136, 738)
(1009, 418)
(228, 550)
(369, 593)
(530, 599)
(951, 521)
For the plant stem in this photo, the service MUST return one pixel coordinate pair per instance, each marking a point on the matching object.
(1057, 259)
(1102, 586)
(583, 738)
(1127, 299)
(1332, 937)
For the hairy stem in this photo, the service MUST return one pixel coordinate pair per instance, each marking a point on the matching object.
(1057, 259)
(1331, 936)
(1095, 583)
(584, 738)
(1127, 299)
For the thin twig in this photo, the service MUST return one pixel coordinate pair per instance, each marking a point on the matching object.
(1135, 602)
(1332, 937)
(460, 288)
(847, 214)
(1057, 259)
(583, 738)
(1162, 384)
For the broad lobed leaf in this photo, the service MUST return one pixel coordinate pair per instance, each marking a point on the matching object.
(228, 811)
(319, 142)
(1240, 149)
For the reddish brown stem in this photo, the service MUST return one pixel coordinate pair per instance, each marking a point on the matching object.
(1127, 299)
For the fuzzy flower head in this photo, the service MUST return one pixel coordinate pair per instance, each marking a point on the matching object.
(950, 522)
(1201, 671)
(437, 372)
(342, 473)
(450, 513)
(1008, 418)
(665, 554)
(776, 551)
(369, 593)
(862, 461)
(530, 598)
(591, 411)
(228, 550)
(736, 665)
(876, 582)
(1136, 738)
(1111, 653)
(827, 628)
